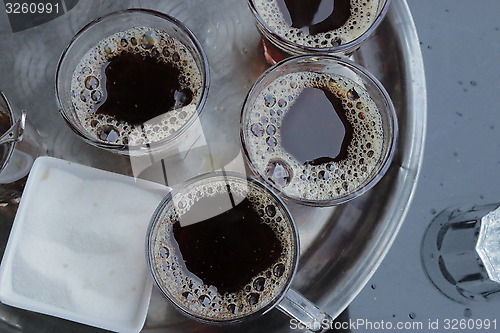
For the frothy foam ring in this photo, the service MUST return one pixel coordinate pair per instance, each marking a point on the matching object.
(87, 91)
(363, 14)
(326, 181)
(202, 300)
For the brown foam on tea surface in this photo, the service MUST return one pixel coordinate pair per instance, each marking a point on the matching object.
(140, 57)
(277, 152)
(229, 265)
(305, 22)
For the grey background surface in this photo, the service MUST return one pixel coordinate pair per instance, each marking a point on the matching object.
(460, 41)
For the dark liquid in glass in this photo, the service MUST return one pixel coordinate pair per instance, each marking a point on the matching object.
(315, 130)
(4, 123)
(140, 88)
(4, 126)
(228, 249)
(315, 16)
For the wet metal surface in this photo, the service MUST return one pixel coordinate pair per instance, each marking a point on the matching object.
(340, 247)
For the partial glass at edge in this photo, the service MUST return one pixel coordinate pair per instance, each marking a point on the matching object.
(17, 157)
(291, 48)
(287, 301)
(6, 111)
(103, 27)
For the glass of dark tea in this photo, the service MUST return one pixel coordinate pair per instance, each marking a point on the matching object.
(132, 82)
(320, 130)
(294, 27)
(223, 248)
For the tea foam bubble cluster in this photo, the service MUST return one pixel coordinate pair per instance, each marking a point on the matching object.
(204, 300)
(325, 181)
(88, 91)
(362, 15)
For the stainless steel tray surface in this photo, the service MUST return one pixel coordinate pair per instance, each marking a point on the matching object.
(341, 247)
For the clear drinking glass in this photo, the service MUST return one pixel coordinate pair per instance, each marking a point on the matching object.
(157, 35)
(282, 39)
(286, 139)
(16, 157)
(195, 297)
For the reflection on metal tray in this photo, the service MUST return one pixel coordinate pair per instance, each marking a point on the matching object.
(341, 247)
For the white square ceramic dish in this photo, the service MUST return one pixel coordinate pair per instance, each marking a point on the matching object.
(76, 249)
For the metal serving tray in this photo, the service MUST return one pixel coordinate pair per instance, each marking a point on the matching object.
(341, 246)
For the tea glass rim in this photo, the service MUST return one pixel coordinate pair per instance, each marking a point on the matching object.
(158, 215)
(389, 112)
(10, 146)
(298, 49)
(146, 148)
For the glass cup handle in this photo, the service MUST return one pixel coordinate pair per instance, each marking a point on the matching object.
(304, 312)
(488, 244)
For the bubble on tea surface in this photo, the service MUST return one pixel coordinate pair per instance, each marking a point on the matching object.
(108, 133)
(176, 57)
(108, 50)
(253, 298)
(96, 95)
(258, 284)
(91, 82)
(352, 94)
(271, 210)
(164, 252)
(323, 175)
(278, 270)
(271, 130)
(165, 266)
(150, 39)
(88, 79)
(182, 98)
(203, 300)
(279, 172)
(271, 141)
(257, 129)
(232, 308)
(270, 101)
(86, 70)
(155, 53)
(333, 178)
(85, 95)
(357, 17)
(187, 295)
